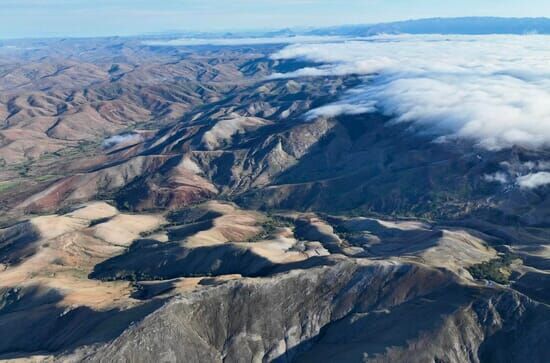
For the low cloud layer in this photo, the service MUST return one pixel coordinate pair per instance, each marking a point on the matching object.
(493, 90)
(534, 180)
(122, 139)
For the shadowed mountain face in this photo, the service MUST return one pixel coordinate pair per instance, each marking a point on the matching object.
(177, 204)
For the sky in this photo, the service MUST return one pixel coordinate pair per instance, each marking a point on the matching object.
(45, 18)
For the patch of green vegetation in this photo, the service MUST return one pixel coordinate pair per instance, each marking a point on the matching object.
(24, 168)
(68, 208)
(133, 276)
(114, 68)
(191, 214)
(497, 270)
(46, 177)
(271, 225)
(345, 235)
(95, 222)
(8, 185)
(83, 148)
(159, 229)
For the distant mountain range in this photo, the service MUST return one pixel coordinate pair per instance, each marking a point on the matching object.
(464, 25)
(467, 25)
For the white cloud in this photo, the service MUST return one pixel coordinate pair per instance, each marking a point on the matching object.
(340, 109)
(498, 177)
(123, 138)
(534, 180)
(493, 90)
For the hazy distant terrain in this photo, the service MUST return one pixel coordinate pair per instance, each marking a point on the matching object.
(323, 197)
(466, 25)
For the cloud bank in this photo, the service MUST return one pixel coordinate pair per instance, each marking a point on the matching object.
(534, 180)
(493, 90)
(115, 140)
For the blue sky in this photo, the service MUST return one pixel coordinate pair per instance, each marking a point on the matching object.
(37, 18)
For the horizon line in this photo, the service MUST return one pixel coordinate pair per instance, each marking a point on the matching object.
(258, 31)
